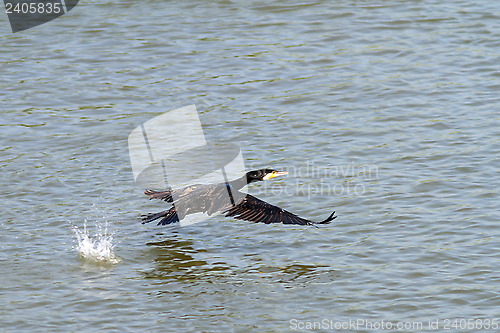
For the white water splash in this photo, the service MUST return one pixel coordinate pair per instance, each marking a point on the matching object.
(97, 247)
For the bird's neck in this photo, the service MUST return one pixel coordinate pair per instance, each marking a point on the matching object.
(239, 183)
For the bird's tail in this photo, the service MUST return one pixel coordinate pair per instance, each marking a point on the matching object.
(168, 216)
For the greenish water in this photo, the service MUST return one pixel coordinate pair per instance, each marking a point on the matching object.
(389, 108)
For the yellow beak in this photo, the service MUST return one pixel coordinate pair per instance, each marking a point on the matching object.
(275, 174)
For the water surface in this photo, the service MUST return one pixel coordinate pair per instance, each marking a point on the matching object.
(399, 98)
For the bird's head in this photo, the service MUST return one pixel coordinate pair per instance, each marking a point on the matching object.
(263, 174)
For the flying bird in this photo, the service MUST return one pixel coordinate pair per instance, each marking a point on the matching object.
(213, 198)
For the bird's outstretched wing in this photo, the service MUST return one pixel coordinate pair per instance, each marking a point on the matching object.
(160, 195)
(256, 210)
(171, 195)
(167, 216)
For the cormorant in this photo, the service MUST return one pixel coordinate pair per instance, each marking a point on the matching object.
(213, 198)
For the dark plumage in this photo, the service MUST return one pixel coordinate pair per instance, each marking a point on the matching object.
(213, 198)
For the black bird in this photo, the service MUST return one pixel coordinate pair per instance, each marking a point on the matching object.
(213, 198)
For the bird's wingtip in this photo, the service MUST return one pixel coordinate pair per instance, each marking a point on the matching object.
(329, 219)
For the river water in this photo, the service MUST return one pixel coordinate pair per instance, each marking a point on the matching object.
(385, 111)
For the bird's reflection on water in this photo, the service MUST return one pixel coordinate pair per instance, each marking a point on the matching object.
(179, 260)
(175, 260)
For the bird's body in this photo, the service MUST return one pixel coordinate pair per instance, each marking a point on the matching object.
(227, 199)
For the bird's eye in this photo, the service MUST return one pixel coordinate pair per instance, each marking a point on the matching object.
(274, 172)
